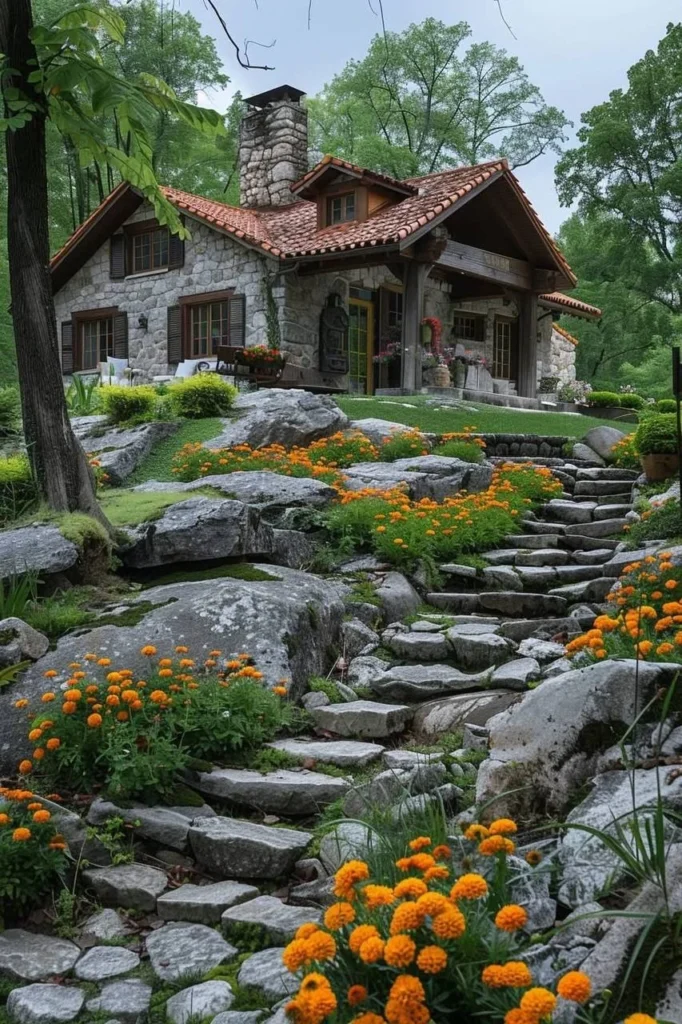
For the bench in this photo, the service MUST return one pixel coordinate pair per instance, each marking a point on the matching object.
(231, 362)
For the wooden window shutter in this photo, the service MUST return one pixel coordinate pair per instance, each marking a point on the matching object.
(117, 257)
(121, 336)
(67, 347)
(174, 335)
(176, 250)
(237, 314)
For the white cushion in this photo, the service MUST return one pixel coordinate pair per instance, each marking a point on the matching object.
(119, 365)
(189, 367)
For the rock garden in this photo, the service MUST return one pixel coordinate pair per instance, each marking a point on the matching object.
(351, 723)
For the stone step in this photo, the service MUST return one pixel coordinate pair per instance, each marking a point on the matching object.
(341, 753)
(232, 848)
(508, 603)
(362, 718)
(600, 528)
(599, 487)
(612, 511)
(282, 792)
(572, 592)
(569, 512)
(546, 577)
(521, 629)
(542, 557)
(278, 920)
(596, 557)
(607, 473)
(579, 542)
(614, 499)
(617, 563)
(532, 541)
(536, 578)
(537, 526)
(578, 573)
(504, 556)
(416, 683)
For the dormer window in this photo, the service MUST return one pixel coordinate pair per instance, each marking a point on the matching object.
(341, 208)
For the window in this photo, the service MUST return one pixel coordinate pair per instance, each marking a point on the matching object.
(209, 327)
(149, 250)
(341, 208)
(469, 328)
(502, 350)
(96, 342)
(200, 324)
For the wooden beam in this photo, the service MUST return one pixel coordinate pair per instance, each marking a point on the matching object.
(528, 345)
(371, 256)
(487, 266)
(414, 276)
(444, 214)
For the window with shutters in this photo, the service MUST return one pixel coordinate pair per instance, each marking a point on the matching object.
(91, 337)
(149, 250)
(96, 338)
(143, 248)
(209, 321)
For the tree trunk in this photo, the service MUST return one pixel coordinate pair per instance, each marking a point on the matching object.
(59, 465)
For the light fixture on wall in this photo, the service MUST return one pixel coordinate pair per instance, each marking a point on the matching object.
(143, 322)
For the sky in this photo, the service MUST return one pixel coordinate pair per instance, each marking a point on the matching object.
(575, 53)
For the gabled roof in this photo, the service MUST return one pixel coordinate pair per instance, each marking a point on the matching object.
(291, 232)
(304, 187)
(570, 306)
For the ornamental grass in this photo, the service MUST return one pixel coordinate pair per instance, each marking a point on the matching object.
(645, 620)
(101, 725)
(401, 530)
(32, 851)
(433, 947)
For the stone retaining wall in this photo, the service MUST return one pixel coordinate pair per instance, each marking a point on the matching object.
(531, 445)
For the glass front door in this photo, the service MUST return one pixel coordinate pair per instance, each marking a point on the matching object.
(360, 346)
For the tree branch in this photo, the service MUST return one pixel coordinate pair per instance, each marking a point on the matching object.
(245, 63)
(499, 7)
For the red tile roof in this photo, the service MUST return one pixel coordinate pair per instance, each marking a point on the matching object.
(571, 305)
(329, 162)
(564, 333)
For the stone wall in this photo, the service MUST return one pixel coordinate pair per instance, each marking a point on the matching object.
(273, 154)
(213, 262)
(557, 355)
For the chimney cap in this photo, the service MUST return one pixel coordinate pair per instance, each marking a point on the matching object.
(280, 92)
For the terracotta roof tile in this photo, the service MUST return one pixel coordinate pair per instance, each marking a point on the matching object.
(344, 165)
(564, 334)
(570, 304)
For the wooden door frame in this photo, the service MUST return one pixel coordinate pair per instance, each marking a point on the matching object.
(369, 305)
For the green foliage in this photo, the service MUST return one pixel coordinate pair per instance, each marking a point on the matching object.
(59, 613)
(201, 396)
(10, 413)
(467, 451)
(128, 508)
(666, 405)
(129, 404)
(342, 450)
(605, 399)
(270, 760)
(624, 453)
(159, 463)
(12, 672)
(16, 594)
(116, 836)
(415, 104)
(18, 495)
(662, 523)
(83, 396)
(657, 435)
(628, 401)
(318, 684)
(82, 530)
(404, 444)
(31, 857)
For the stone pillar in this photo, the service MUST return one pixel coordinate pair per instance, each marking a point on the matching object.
(414, 276)
(528, 344)
(273, 153)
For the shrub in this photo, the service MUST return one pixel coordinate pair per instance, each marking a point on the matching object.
(136, 736)
(574, 391)
(32, 852)
(126, 405)
(404, 444)
(657, 435)
(10, 410)
(201, 396)
(624, 453)
(628, 401)
(17, 490)
(666, 405)
(467, 451)
(421, 949)
(83, 396)
(661, 523)
(604, 399)
(341, 450)
(548, 385)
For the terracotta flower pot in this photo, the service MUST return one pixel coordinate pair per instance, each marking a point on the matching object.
(658, 466)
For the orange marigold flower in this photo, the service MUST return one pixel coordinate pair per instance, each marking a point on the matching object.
(502, 827)
(165, 662)
(422, 861)
(575, 986)
(295, 955)
(280, 691)
(338, 916)
(533, 857)
(495, 844)
(432, 960)
(148, 650)
(469, 887)
(517, 1016)
(356, 994)
(360, 935)
(38, 754)
(439, 872)
(372, 950)
(104, 662)
(94, 721)
(442, 852)
(35, 734)
(181, 649)
(476, 832)
(433, 903)
(129, 696)
(51, 673)
(516, 974)
(399, 951)
(114, 677)
(321, 946)
(511, 917)
(406, 918)
(21, 835)
(41, 816)
(539, 1002)
(420, 843)
(670, 584)
(306, 930)
(4, 819)
(451, 924)
(348, 875)
(25, 767)
(411, 887)
(165, 673)
(158, 697)
(69, 707)
(640, 1018)
(122, 716)
(21, 703)
(54, 743)
(47, 697)
(112, 700)
(378, 896)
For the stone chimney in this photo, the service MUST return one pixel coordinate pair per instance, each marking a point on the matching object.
(273, 147)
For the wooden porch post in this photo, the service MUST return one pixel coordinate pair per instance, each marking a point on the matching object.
(528, 344)
(414, 276)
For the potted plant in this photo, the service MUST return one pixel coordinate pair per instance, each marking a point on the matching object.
(656, 442)
(547, 388)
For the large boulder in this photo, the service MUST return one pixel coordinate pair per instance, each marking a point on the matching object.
(19, 641)
(547, 745)
(287, 623)
(424, 682)
(40, 548)
(425, 476)
(120, 450)
(602, 439)
(196, 529)
(378, 430)
(278, 416)
(397, 597)
(260, 487)
(450, 714)
(232, 848)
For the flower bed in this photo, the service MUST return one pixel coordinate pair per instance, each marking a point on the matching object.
(32, 852)
(428, 946)
(647, 618)
(101, 726)
(401, 530)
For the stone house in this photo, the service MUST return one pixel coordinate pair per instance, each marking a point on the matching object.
(337, 265)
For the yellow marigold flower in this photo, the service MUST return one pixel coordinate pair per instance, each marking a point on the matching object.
(21, 835)
(25, 767)
(476, 832)
(420, 843)
(510, 918)
(538, 1001)
(469, 887)
(360, 935)
(47, 697)
(35, 734)
(339, 916)
(399, 951)
(575, 986)
(321, 946)
(432, 960)
(451, 924)
(41, 816)
(306, 930)
(94, 721)
(516, 974)
(412, 887)
(372, 950)
(356, 994)
(377, 896)
(54, 743)
(495, 844)
(502, 827)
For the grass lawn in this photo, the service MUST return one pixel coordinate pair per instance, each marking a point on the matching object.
(128, 508)
(487, 419)
(157, 465)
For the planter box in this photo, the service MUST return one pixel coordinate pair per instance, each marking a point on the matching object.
(659, 467)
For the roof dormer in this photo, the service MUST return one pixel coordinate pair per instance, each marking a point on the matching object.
(345, 193)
